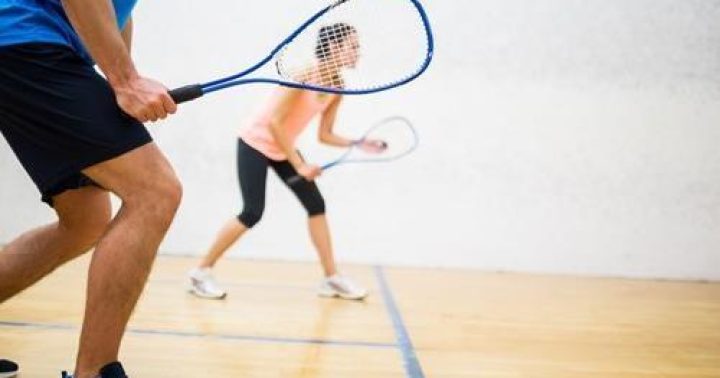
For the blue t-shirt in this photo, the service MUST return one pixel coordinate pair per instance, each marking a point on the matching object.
(28, 21)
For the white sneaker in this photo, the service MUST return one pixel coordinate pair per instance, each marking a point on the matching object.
(341, 286)
(203, 284)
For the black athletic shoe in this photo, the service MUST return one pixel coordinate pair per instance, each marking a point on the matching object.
(111, 370)
(8, 369)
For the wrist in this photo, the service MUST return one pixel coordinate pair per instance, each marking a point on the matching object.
(297, 164)
(120, 79)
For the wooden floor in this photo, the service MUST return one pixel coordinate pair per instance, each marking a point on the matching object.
(416, 323)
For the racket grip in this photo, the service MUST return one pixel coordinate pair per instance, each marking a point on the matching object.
(294, 180)
(186, 93)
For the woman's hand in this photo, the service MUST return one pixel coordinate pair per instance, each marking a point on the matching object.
(309, 171)
(373, 146)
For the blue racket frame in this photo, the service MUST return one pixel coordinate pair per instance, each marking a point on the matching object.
(191, 92)
(343, 159)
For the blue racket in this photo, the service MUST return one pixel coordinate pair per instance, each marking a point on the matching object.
(388, 140)
(349, 47)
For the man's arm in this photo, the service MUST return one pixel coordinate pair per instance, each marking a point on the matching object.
(94, 21)
(127, 33)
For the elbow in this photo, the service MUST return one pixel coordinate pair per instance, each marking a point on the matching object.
(325, 138)
(274, 125)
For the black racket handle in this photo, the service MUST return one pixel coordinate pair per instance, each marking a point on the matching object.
(186, 93)
(294, 180)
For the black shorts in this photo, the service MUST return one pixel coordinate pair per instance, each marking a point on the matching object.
(60, 116)
(252, 168)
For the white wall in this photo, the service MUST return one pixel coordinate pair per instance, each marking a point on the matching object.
(557, 136)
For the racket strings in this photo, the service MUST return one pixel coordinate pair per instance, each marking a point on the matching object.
(397, 133)
(358, 45)
(336, 50)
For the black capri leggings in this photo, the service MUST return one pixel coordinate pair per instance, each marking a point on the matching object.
(252, 169)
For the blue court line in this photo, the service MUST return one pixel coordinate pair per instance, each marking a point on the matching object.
(265, 339)
(410, 360)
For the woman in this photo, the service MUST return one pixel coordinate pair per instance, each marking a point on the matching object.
(269, 142)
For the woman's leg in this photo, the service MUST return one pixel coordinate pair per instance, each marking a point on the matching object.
(320, 236)
(252, 173)
(311, 198)
(231, 231)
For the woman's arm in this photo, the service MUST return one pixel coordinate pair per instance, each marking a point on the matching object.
(327, 135)
(327, 123)
(288, 99)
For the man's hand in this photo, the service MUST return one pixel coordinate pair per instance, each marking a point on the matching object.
(145, 99)
(141, 98)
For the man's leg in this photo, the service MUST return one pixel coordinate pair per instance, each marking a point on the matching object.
(150, 194)
(83, 215)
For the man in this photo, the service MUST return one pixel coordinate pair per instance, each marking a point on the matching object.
(8, 369)
(79, 136)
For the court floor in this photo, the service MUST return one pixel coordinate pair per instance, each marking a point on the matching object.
(416, 323)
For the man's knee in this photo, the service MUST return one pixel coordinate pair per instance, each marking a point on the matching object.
(84, 215)
(164, 198)
(171, 191)
(144, 180)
